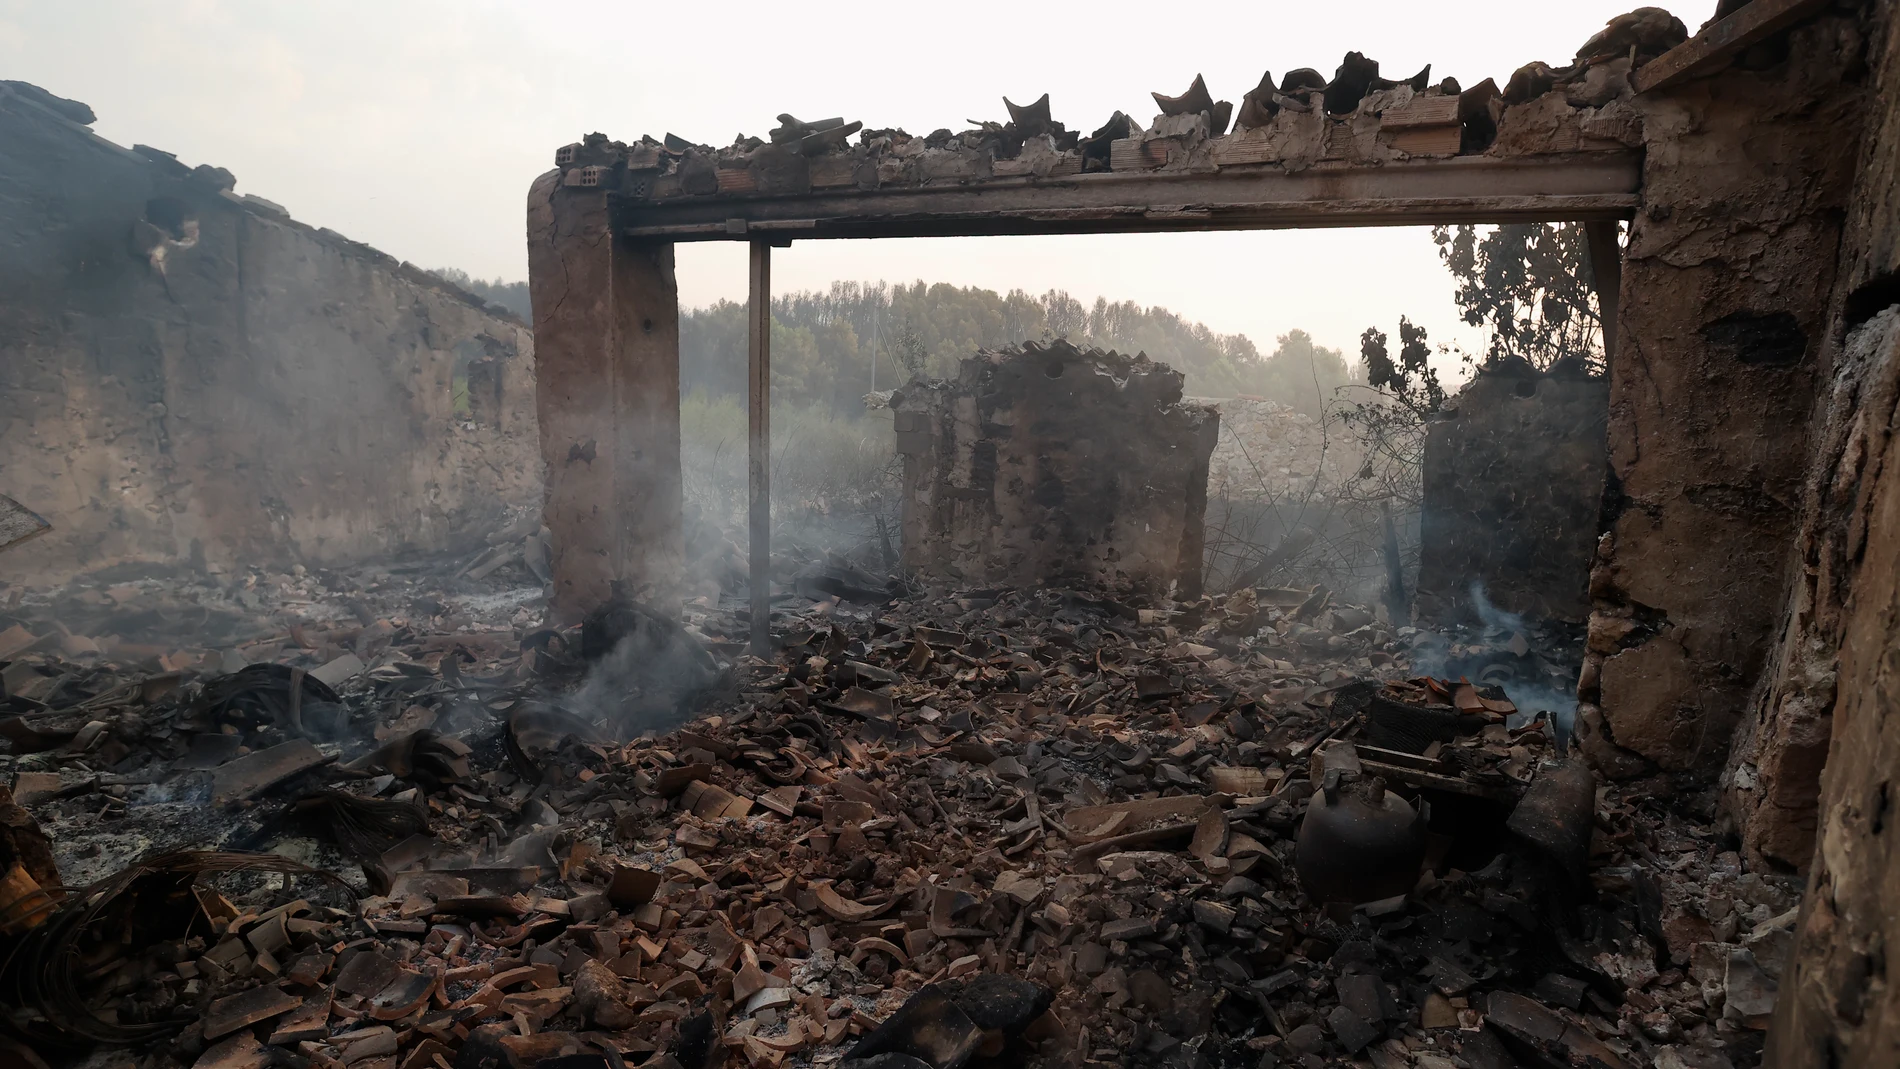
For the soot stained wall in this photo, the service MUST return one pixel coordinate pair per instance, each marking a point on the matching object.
(1727, 279)
(1513, 484)
(1053, 464)
(187, 375)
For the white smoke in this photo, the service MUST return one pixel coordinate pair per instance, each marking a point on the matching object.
(1534, 695)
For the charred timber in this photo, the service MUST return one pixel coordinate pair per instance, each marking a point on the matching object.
(1582, 186)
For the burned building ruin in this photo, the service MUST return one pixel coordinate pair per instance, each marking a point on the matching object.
(1050, 464)
(1031, 798)
(1754, 161)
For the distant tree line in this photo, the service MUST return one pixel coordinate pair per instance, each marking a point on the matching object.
(829, 347)
(510, 295)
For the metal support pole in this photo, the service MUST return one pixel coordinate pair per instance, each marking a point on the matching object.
(759, 438)
(1606, 271)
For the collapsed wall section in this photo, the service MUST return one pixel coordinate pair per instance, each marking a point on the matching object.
(1513, 483)
(1053, 464)
(188, 375)
(1271, 452)
(1283, 492)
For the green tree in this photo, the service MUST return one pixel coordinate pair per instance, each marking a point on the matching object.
(510, 295)
(1409, 381)
(1305, 375)
(713, 350)
(1529, 285)
(799, 369)
(903, 349)
(919, 328)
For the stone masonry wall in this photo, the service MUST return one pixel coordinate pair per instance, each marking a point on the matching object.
(1837, 688)
(1838, 1006)
(187, 375)
(1513, 482)
(1048, 465)
(1724, 309)
(1773, 785)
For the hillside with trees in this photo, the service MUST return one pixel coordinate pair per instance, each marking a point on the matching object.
(830, 348)
(510, 295)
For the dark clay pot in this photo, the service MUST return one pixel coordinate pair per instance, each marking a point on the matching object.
(1359, 843)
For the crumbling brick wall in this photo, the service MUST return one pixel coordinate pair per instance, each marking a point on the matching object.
(187, 375)
(1724, 302)
(1513, 483)
(1050, 464)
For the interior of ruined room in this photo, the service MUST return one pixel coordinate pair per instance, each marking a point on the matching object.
(854, 598)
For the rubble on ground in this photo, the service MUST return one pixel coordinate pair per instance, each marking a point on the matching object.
(947, 828)
(18, 523)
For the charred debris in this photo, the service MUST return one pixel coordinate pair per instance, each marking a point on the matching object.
(945, 828)
(1078, 816)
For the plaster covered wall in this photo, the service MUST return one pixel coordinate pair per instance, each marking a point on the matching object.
(190, 376)
(607, 372)
(1726, 287)
(1053, 464)
(1513, 482)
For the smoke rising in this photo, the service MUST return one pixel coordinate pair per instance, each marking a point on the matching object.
(1534, 682)
(646, 672)
(1493, 618)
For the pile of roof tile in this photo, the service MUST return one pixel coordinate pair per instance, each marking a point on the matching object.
(975, 828)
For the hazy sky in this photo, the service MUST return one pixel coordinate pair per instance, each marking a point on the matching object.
(417, 125)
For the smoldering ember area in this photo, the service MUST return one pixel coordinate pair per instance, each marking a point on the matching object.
(407, 671)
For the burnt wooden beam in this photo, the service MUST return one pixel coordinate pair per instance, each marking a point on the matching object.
(1438, 781)
(1581, 186)
(759, 442)
(1606, 274)
(1706, 51)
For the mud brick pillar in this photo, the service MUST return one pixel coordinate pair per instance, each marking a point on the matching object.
(1721, 342)
(607, 383)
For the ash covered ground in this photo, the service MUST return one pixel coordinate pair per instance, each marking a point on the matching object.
(940, 827)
